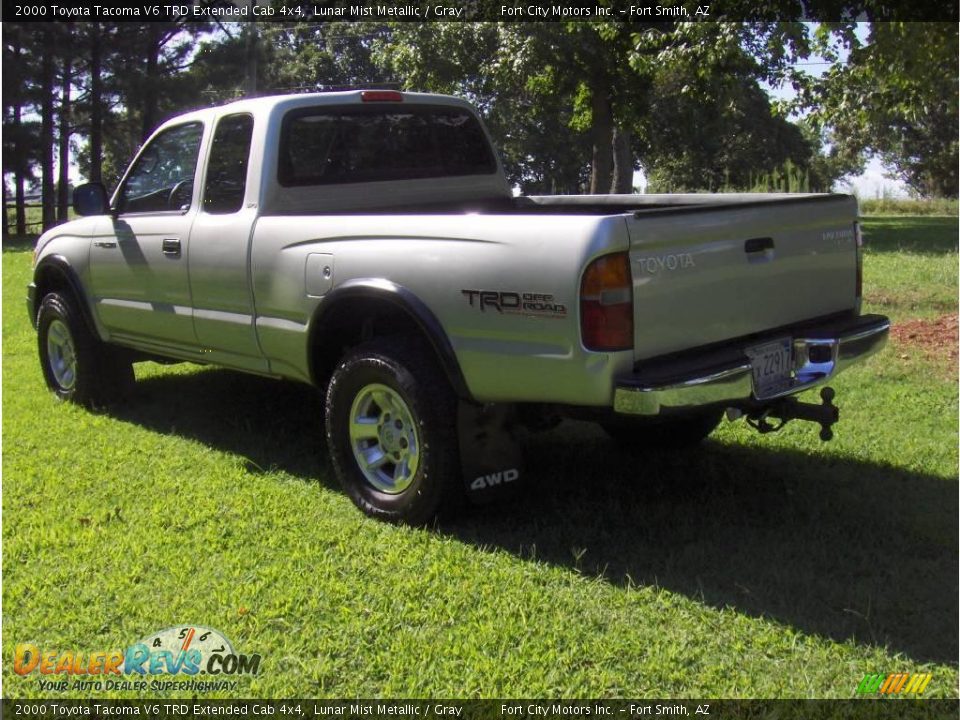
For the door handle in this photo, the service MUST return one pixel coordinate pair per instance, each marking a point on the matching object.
(759, 250)
(171, 246)
(755, 245)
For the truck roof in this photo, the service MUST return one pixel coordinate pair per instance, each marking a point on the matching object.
(273, 197)
(264, 105)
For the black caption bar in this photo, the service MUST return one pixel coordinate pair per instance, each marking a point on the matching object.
(632, 11)
(483, 709)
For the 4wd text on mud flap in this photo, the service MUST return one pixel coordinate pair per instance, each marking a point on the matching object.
(492, 480)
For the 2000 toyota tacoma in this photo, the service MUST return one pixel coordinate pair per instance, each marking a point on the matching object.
(368, 243)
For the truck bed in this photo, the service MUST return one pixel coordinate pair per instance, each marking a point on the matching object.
(583, 204)
(706, 268)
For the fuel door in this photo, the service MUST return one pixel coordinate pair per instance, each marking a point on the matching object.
(318, 274)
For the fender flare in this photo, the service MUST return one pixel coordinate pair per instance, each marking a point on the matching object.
(402, 299)
(61, 266)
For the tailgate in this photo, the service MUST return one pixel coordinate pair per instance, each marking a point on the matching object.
(712, 273)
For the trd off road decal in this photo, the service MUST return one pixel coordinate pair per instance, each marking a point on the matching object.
(516, 303)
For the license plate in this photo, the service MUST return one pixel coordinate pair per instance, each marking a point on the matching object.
(772, 364)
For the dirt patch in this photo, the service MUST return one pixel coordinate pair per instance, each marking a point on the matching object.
(936, 339)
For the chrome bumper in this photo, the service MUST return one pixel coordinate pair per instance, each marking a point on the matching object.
(817, 356)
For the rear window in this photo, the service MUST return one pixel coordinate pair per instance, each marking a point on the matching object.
(320, 146)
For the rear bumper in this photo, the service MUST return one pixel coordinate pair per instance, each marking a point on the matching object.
(724, 376)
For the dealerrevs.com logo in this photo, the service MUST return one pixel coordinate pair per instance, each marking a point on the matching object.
(894, 684)
(188, 657)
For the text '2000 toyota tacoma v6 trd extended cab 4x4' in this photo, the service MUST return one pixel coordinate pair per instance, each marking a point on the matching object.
(368, 243)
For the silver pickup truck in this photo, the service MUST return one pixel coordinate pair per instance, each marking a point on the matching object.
(367, 243)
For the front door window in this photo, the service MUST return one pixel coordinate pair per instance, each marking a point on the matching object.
(162, 178)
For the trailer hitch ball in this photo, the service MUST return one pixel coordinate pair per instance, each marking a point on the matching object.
(787, 409)
(827, 394)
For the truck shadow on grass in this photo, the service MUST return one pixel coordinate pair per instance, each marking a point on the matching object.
(829, 545)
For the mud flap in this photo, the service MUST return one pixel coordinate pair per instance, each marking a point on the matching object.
(490, 457)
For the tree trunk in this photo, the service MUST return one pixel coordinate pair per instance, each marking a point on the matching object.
(46, 127)
(622, 162)
(94, 173)
(20, 196)
(150, 82)
(602, 135)
(5, 229)
(19, 153)
(251, 49)
(63, 182)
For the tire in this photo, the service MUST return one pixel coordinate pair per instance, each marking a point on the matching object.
(666, 433)
(391, 431)
(77, 366)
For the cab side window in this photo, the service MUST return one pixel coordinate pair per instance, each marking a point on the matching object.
(226, 182)
(162, 178)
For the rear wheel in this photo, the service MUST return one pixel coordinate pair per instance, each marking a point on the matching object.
(391, 431)
(76, 365)
(673, 433)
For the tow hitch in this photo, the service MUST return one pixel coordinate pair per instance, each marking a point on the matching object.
(787, 409)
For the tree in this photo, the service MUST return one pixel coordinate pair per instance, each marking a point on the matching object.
(143, 67)
(95, 35)
(530, 114)
(95, 47)
(545, 89)
(896, 97)
(66, 47)
(549, 90)
(19, 140)
(47, 43)
(93, 87)
(608, 92)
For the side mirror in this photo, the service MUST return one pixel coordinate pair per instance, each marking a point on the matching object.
(90, 199)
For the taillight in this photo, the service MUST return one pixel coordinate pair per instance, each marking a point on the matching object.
(606, 304)
(381, 96)
(858, 236)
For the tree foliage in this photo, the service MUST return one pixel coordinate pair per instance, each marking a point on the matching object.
(896, 96)
(709, 125)
(574, 107)
(579, 106)
(500, 68)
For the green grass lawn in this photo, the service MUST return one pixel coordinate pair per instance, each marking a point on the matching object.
(773, 566)
(912, 270)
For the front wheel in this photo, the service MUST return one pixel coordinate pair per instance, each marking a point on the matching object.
(76, 365)
(391, 431)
